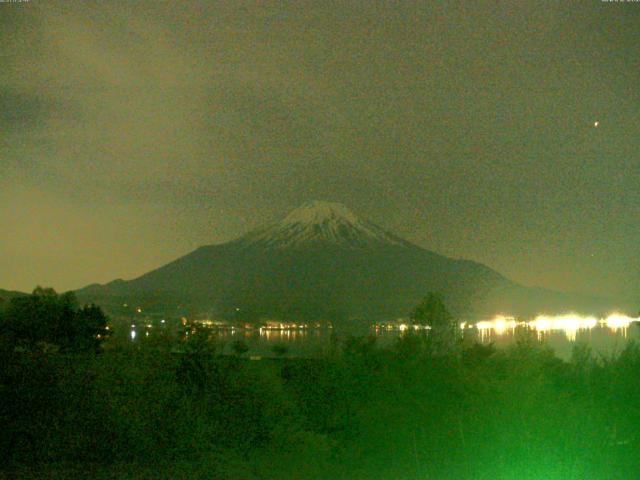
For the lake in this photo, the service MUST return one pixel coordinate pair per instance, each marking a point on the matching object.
(605, 336)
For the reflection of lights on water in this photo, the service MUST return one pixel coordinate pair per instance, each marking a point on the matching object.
(570, 324)
(133, 334)
(382, 328)
(498, 325)
(284, 334)
(504, 323)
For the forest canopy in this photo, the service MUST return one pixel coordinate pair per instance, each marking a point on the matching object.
(46, 320)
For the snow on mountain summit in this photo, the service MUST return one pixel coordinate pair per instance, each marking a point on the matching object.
(318, 212)
(321, 222)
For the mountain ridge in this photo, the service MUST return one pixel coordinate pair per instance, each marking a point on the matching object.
(321, 261)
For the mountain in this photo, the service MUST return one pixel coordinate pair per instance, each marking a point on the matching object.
(318, 224)
(7, 295)
(322, 262)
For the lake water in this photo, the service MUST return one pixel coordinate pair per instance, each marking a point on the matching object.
(605, 336)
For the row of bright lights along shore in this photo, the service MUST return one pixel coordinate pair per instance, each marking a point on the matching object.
(570, 324)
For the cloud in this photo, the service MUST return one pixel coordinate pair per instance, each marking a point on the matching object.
(226, 115)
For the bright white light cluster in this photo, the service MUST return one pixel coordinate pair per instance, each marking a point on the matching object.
(569, 323)
(617, 320)
(499, 324)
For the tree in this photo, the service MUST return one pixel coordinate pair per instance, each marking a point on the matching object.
(44, 319)
(91, 327)
(432, 312)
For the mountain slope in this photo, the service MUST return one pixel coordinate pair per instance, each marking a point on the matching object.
(322, 262)
(7, 295)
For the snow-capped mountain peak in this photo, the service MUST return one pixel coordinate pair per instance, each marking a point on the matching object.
(320, 222)
(318, 212)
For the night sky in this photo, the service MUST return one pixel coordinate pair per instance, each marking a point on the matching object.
(131, 134)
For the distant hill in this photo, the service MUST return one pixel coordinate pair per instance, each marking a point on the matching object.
(7, 295)
(322, 262)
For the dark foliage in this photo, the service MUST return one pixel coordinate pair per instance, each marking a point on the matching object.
(45, 320)
(402, 412)
(431, 311)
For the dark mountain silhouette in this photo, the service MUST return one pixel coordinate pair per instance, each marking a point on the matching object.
(322, 262)
(7, 295)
